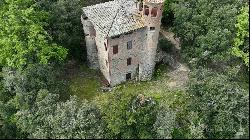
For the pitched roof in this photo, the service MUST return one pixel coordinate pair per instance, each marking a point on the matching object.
(155, 1)
(115, 17)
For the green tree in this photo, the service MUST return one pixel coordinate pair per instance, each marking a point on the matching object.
(165, 122)
(51, 119)
(167, 15)
(65, 24)
(23, 39)
(221, 104)
(241, 42)
(206, 28)
(128, 115)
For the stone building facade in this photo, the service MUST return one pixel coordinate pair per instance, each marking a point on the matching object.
(121, 38)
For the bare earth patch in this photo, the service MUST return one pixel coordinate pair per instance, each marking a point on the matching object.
(178, 77)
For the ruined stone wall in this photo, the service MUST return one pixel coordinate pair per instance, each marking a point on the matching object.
(118, 62)
(148, 61)
(90, 34)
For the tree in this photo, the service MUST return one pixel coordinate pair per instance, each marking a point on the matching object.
(24, 85)
(241, 42)
(222, 105)
(206, 28)
(51, 119)
(165, 122)
(128, 115)
(65, 24)
(23, 39)
(167, 15)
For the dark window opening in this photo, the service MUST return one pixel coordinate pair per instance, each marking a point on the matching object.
(105, 46)
(129, 61)
(146, 10)
(128, 76)
(154, 12)
(140, 6)
(152, 28)
(115, 49)
(86, 34)
(129, 45)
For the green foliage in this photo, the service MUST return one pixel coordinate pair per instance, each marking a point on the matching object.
(64, 24)
(222, 105)
(26, 83)
(167, 15)
(125, 117)
(52, 119)
(206, 27)
(241, 42)
(166, 45)
(165, 122)
(23, 39)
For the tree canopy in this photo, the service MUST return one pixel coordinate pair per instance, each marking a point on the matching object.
(23, 39)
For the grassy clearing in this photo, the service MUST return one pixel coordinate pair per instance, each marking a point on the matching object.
(85, 83)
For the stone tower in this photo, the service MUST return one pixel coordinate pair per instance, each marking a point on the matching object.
(151, 12)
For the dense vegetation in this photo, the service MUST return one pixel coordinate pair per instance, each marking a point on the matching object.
(39, 37)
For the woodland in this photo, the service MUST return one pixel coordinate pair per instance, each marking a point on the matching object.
(48, 92)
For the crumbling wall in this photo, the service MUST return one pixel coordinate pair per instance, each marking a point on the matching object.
(90, 33)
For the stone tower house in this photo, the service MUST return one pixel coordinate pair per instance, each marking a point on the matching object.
(121, 38)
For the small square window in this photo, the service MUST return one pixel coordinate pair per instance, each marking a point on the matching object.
(129, 61)
(152, 28)
(129, 45)
(128, 76)
(115, 49)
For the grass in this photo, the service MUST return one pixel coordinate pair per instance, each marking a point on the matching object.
(85, 84)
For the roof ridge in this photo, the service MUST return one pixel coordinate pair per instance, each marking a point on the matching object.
(118, 10)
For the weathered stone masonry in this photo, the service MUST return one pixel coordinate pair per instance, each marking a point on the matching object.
(121, 38)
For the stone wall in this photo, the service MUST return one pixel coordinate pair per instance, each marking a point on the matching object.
(90, 34)
(103, 55)
(118, 62)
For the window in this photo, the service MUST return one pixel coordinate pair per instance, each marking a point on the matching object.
(129, 61)
(128, 76)
(140, 6)
(105, 46)
(129, 45)
(154, 12)
(152, 28)
(115, 49)
(146, 10)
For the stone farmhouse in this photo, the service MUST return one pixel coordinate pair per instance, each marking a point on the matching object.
(121, 38)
